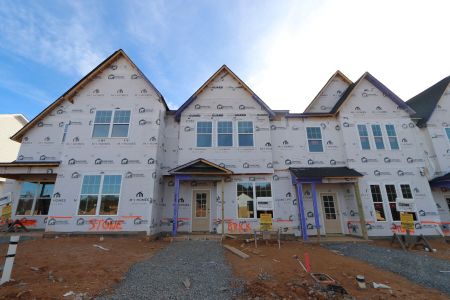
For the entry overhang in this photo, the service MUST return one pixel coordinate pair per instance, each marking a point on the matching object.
(442, 181)
(200, 166)
(30, 170)
(325, 175)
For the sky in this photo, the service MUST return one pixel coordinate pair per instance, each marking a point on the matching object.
(284, 50)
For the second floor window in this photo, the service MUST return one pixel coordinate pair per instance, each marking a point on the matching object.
(378, 137)
(364, 137)
(103, 127)
(224, 134)
(314, 139)
(204, 134)
(392, 137)
(447, 131)
(245, 134)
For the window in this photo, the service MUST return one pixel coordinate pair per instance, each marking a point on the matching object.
(314, 139)
(407, 194)
(392, 137)
(329, 207)
(245, 199)
(100, 195)
(35, 199)
(378, 137)
(364, 137)
(66, 128)
(200, 205)
(245, 134)
(378, 202)
(392, 198)
(204, 134)
(248, 192)
(224, 134)
(447, 131)
(120, 124)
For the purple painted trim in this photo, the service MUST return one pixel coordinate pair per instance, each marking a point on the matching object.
(309, 180)
(264, 105)
(175, 206)
(183, 107)
(316, 210)
(301, 211)
(390, 94)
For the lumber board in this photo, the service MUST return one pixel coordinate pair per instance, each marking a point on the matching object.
(237, 252)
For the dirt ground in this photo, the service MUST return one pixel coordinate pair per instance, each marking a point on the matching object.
(287, 279)
(442, 248)
(48, 268)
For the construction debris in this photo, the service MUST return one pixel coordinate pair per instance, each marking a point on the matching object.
(237, 251)
(380, 286)
(361, 281)
(230, 236)
(264, 276)
(100, 247)
(69, 294)
(187, 283)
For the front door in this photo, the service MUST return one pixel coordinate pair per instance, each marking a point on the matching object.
(200, 210)
(332, 221)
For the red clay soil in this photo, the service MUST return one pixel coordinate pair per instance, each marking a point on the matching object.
(288, 279)
(442, 247)
(48, 268)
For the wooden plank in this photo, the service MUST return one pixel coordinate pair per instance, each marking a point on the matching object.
(237, 252)
(230, 236)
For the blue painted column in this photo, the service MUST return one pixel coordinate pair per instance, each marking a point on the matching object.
(316, 210)
(175, 206)
(301, 210)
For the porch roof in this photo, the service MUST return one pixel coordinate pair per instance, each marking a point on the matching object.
(200, 166)
(326, 172)
(443, 180)
(29, 170)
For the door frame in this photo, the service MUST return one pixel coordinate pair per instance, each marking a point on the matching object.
(336, 203)
(192, 206)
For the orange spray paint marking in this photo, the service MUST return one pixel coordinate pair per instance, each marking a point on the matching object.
(307, 262)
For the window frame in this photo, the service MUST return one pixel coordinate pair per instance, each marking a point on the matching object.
(111, 125)
(314, 139)
(99, 195)
(416, 214)
(35, 198)
(212, 134)
(255, 210)
(368, 137)
(377, 136)
(382, 201)
(232, 134)
(447, 134)
(392, 202)
(252, 134)
(391, 136)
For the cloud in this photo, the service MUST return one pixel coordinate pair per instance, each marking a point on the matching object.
(68, 42)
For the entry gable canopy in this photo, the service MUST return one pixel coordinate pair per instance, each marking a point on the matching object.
(69, 94)
(211, 79)
(200, 166)
(30, 170)
(327, 172)
(442, 181)
(425, 102)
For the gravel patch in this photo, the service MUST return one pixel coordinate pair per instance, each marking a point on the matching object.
(415, 267)
(161, 277)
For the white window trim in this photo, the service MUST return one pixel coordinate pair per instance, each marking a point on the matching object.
(97, 209)
(307, 139)
(384, 201)
(192, 203)
(111, 124)
(212, 134)
(413, 199)
(383, 136)
(255, 211)
(35, 198)
(233, 137)
(368, 136)
(253, 134)
(396, 136)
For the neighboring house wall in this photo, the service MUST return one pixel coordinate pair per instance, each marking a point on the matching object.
(9, 124)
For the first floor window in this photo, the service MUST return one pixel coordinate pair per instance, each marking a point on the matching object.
(378, 137)
(245, 133)
(204, 134)
(251, 193)
(378, 202)
(100, 195)
(314, 136)
(224, 134)
(364, 137)
(392, 198)
(118, 128)
(447, 131)
(392, 137)
(34, 198)
(407, 194)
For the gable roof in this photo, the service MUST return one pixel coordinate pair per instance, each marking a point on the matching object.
(325, 172)
(200, 166)
(396, 99)
(70, 93)
(223, 68)
(425, 102)
(336, 74)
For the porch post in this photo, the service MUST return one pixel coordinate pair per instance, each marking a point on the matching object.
(316, 210)
(175, 206)
(301, 210)
(362, 219)
(223, 208)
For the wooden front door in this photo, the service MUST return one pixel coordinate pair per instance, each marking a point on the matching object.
(331, 215)
(200, 210)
